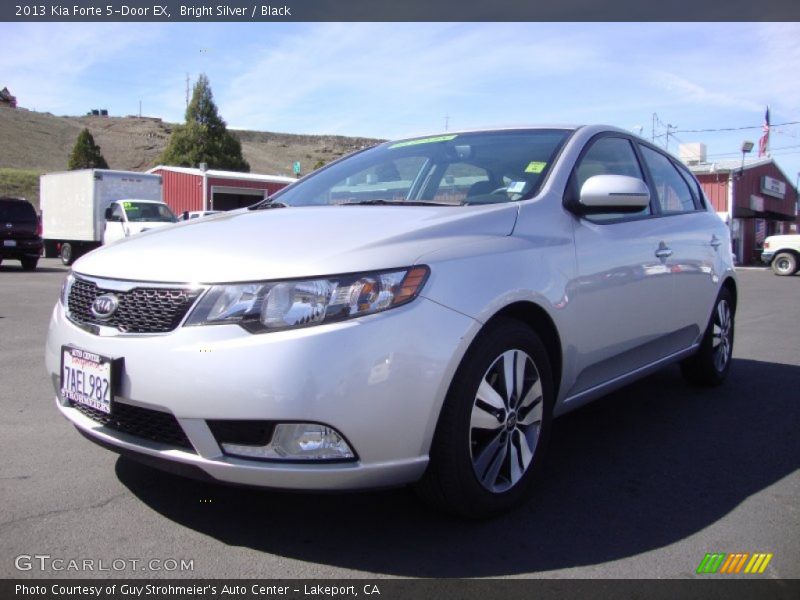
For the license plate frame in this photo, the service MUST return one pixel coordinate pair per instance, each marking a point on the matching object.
(9, 243)
(89, 379)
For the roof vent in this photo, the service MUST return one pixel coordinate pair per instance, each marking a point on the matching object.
(693, 153)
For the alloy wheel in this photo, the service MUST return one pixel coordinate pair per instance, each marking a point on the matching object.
(721, 341)
(506, 421)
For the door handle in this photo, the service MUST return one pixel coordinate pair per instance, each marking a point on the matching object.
(715, 242)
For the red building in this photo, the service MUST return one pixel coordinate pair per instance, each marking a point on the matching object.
(191, 189)
(756, 200)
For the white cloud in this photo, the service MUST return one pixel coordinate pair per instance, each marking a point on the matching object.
(392, 76)
(685, 91)
(44, 63)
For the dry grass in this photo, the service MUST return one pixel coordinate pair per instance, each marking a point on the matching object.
(41, 142)
(20, 183)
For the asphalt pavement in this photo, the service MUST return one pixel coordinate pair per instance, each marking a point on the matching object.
(641, 484)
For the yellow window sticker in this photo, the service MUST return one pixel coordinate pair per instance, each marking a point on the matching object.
(429, 140)
(535, 167)
(127, 204)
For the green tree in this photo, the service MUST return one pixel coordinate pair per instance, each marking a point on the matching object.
(319, 164)
(86, 154)
(204, 138)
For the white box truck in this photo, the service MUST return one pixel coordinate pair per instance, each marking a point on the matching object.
(86, 208)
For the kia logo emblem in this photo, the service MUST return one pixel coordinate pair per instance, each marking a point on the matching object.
(105, 306)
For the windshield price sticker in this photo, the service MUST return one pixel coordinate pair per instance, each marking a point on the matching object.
(86, 378)
(535, 167)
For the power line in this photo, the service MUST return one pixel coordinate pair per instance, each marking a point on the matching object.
(736, 128)
(722, 154)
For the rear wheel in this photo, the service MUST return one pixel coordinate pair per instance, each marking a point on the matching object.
(494, 424)
(29, 264)
(784, 263)
(67, 253)
(712, 363)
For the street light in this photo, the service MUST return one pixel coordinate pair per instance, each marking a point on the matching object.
(747, 147)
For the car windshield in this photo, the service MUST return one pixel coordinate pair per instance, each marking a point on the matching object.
(149, 212)
(454, 169)
(16, 211)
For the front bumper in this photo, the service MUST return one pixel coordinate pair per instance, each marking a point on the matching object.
(766, 257)
(379, 380)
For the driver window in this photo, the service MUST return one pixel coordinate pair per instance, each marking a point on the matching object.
(116, 213)
(608, 156)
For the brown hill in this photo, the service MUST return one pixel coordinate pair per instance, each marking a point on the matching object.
(41, 142)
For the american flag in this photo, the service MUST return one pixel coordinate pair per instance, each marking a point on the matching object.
(763, 143)
(761, 231)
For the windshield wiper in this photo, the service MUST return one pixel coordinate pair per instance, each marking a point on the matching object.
(268, 203)
(380, 202)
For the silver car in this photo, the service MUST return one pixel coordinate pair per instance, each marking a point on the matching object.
(417, 312)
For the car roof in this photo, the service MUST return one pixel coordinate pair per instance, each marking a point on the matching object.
(563, 127)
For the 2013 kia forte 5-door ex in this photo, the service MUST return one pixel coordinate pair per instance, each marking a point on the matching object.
(416, 312)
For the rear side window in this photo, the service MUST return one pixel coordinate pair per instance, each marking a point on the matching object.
(16, 211)
(673, 192)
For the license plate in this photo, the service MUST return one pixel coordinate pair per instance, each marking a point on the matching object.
(87, 378)
(9, 243)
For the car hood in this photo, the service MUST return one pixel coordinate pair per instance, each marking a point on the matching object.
(294, 242)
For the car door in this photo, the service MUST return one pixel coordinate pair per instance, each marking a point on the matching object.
(116, 226)
(622, 296)
(694, 238)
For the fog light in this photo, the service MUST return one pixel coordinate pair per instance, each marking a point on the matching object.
(297, 441)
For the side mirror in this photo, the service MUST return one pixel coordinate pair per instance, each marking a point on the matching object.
(613, 193)
(109, 216)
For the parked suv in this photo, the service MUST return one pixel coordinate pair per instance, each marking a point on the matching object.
(20, 232)
(417, 312)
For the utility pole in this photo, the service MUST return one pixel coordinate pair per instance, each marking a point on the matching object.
(140, 108)
(668, 128)
(187, 90)
(653, 138)
(446, 122)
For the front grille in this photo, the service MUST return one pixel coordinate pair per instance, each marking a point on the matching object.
(140, 310)
(142, 422)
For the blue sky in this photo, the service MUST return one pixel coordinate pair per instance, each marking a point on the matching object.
(399, 79)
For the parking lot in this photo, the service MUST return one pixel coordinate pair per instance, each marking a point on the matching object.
(642, 483)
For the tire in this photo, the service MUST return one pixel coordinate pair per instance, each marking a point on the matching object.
(67, 254)
(712, 363)
(487, 452)
(784, 263)
(29, 264)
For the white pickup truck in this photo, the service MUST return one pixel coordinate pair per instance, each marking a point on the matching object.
(782, 253)
(86, 208)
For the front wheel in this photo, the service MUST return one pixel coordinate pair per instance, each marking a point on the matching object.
(67, 254)
(784, 263)
(712, 363)
(494, 424)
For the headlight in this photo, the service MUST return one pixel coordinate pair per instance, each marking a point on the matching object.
(276, 305)
(65, 289)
